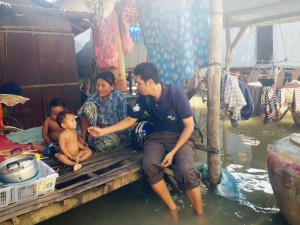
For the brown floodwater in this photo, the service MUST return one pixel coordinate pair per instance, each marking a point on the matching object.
(244, 154)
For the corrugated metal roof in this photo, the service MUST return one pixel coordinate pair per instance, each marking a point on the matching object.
(239, 13)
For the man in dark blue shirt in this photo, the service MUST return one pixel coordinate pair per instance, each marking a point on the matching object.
(169, 144)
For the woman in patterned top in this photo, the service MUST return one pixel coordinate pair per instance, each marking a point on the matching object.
(105, 107)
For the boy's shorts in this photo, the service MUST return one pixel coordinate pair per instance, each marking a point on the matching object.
(50, 149)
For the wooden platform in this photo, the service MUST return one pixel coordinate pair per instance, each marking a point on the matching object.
(101, 174)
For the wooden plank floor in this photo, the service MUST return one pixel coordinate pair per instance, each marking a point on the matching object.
(101, 174)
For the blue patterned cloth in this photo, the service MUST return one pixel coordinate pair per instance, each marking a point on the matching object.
(50, 149)
(176, 35)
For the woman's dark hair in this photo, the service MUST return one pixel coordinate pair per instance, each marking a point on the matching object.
(57, 102)
(108, 76)
(61, 117)
(147, 71)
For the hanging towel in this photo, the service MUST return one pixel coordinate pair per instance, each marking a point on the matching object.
(233, 97)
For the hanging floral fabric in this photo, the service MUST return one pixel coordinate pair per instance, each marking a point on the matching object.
(111, 42)
(176, 35)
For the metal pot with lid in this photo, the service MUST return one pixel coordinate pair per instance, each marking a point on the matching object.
(18, 168)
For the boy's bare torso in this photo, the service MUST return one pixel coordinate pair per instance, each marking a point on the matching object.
(53, 130)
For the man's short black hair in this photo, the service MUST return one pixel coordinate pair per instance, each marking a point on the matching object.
(57, 102)
(61, 117)
(147, 71)
(108, 76)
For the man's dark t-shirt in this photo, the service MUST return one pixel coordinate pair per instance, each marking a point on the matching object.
(168, 112)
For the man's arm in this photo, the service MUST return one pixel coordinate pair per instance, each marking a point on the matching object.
(184, 137)
(121, 125)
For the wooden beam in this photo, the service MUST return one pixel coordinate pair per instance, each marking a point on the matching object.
(261, 7)
(238, 37)
(78, 28)
(74, 14)
(266, 19)
(214, 82)
(35, 10)
(206, 148)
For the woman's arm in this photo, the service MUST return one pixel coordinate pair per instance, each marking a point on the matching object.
(84, 124)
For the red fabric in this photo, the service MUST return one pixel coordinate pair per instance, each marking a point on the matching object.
(6, 144)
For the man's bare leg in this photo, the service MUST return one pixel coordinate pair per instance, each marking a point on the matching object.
(161, 189)
(195, 198)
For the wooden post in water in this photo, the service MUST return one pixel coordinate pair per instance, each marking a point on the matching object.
(214, 82)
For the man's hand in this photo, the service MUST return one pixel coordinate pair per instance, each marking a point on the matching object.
(168, 160)
(95, 131)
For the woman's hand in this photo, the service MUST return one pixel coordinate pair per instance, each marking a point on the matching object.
(95, 131)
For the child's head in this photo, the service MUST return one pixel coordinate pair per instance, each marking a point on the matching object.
(56, 106)
(66, 120)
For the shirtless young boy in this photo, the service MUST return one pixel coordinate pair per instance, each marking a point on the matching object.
(51, 130)
(72, 151)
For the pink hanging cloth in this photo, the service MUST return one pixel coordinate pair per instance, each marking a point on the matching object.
(111, 42)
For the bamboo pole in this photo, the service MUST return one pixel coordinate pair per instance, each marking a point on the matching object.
(214, 80)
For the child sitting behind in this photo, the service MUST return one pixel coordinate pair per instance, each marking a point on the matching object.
(51, 130)
(72, 151)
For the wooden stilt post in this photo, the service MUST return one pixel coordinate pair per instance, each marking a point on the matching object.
(214, 80)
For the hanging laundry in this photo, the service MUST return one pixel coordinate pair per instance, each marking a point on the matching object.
(176, 35)
(111, 42)
(287, 77)
(233, 99)
(271, 103)
(248, 109)
(296, 100)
